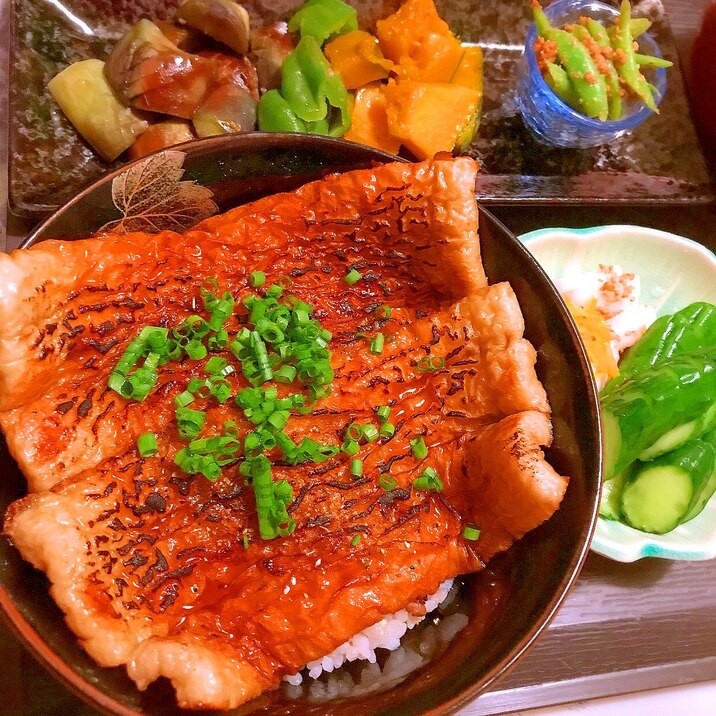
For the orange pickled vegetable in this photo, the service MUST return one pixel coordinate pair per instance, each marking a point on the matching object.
(370, 119)
(596, 336)
(430, 117)
(357, 58)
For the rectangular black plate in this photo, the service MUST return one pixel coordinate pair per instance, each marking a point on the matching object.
(659, 162)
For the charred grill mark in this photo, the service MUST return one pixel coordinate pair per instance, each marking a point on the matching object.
(319, 521)
(108, 513)
(117, 525)
(126, 548)
(183, 484)
(128, 302)
(169, 596)
(388, 498)
(329, 483)
(86, 405)
(62, 408)
(385, 466)
(183, 571)
(154, 503)
(95, 424)
(414, 511)
(295, 273)
(109, 560)
(139, 485)
(189, 551)
(136, 561)
(103, 348)
(105, 327)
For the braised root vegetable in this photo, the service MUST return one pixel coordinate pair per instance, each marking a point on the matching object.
(160, 136)
(370, 119)
(85, 96)
(653, 403)
(228, 108)
(230, 69)
(270, 46)
(149, 72)
(412, 115)
(223, 20)
(357, 58)
(659, 495)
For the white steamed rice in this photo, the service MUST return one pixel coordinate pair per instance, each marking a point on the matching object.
(386, 634)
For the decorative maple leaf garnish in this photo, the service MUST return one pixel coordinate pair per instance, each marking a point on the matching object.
(152, 197)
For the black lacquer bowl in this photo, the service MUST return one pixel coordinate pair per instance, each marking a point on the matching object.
(509, 604)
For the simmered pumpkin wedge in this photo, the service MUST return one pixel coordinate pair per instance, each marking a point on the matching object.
(431, 117)
(83, 93)
(370, 119)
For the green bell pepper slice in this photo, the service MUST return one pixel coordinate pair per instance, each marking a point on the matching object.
(323, 19)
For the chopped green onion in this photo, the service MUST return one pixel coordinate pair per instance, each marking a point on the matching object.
(387, 482)
(387, 430)
(383, 311)
(471, 533)
(218, 341)
(245, 540)
(350, 447)
(220, 388)
(215, 365)
(147, 444)
(352, 277)
(428, 480)
(370, 433)
(356, 467)
(257, 278)
(195, 349)
(190, 422)
(285, 374)
(376, 345)
(429, 364)
(356, 539)
(274, 291)
(354, 431)
(383, 413)
(420, 450)
(183, 399)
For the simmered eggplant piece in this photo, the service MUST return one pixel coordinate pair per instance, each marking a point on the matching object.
(184, 37)
(230, 69)
(149, 72)
(227, 109)
(160, 136)
(270, 45)
(83, 93)
(223, 20)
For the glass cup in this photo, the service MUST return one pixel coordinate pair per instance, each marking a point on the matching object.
(553, 121)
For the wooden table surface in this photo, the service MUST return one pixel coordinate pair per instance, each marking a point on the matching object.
(624, 628)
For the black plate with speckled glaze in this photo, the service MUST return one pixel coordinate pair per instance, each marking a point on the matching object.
(660, 161)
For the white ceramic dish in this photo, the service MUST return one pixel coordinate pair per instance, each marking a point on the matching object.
(674, 272)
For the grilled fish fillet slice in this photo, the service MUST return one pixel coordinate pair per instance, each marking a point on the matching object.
(149, 563)
(68, 309)
(271, 623)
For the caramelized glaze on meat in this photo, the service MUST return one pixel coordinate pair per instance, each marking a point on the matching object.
(149, 563)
